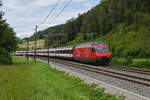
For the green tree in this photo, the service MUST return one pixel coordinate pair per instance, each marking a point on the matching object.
(8, 40)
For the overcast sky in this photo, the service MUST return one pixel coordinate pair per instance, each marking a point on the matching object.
(23, 15)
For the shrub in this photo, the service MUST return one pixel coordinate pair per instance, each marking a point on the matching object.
(118, 50)
(114, 61)
(128, 61)
(142, 63)
(5, 58)
(147, 63)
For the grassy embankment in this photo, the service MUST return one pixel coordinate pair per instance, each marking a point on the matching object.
(29, 81)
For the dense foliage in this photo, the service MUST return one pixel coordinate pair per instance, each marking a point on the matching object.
(129, 61)
(7, 40)
(124, 24)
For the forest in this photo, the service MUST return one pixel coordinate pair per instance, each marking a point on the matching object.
(123, 24)
(8, 41)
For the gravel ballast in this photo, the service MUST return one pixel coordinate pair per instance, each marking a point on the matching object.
(112, 85)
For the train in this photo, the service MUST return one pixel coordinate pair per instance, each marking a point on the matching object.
(92, 52)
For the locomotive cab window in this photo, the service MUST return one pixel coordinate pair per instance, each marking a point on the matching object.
(102, 49)
(93, 50)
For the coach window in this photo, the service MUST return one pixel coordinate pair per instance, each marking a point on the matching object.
(63, 51)
(70, 51)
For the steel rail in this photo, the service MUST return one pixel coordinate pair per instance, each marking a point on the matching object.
(103, 72)
(130, 76)
(135, 70)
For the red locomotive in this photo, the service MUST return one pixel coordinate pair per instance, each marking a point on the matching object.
(93, 52)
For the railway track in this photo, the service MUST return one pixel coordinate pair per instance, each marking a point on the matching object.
(122, 76)
(135, 70)
(131, 87)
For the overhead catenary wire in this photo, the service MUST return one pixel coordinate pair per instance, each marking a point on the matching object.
(60, 12)
(50, 22)
(51, 12)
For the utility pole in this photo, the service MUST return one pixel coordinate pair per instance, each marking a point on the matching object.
(27, 50)
(59, 41)
(48, 47)
(35, 44)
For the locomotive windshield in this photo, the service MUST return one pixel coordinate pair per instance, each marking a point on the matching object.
(102, 49)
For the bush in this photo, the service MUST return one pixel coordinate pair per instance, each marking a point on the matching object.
(118, 51)
(5, 58)
(128, 61)
(141, 63)
(147, 63)
(122, 62)
(114, 61)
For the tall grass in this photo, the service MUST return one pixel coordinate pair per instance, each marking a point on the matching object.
(29, 81)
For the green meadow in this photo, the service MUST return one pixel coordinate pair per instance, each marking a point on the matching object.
(29, 81)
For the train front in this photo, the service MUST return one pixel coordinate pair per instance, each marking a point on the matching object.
(103, 54)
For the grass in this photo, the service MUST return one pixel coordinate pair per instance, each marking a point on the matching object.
(29, 81)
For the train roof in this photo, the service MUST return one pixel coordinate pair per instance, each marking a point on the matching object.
(92, 44)
(64, 48)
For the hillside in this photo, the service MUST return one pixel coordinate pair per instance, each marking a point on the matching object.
(123, 24)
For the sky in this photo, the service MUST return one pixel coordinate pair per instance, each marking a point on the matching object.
(24, 15)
